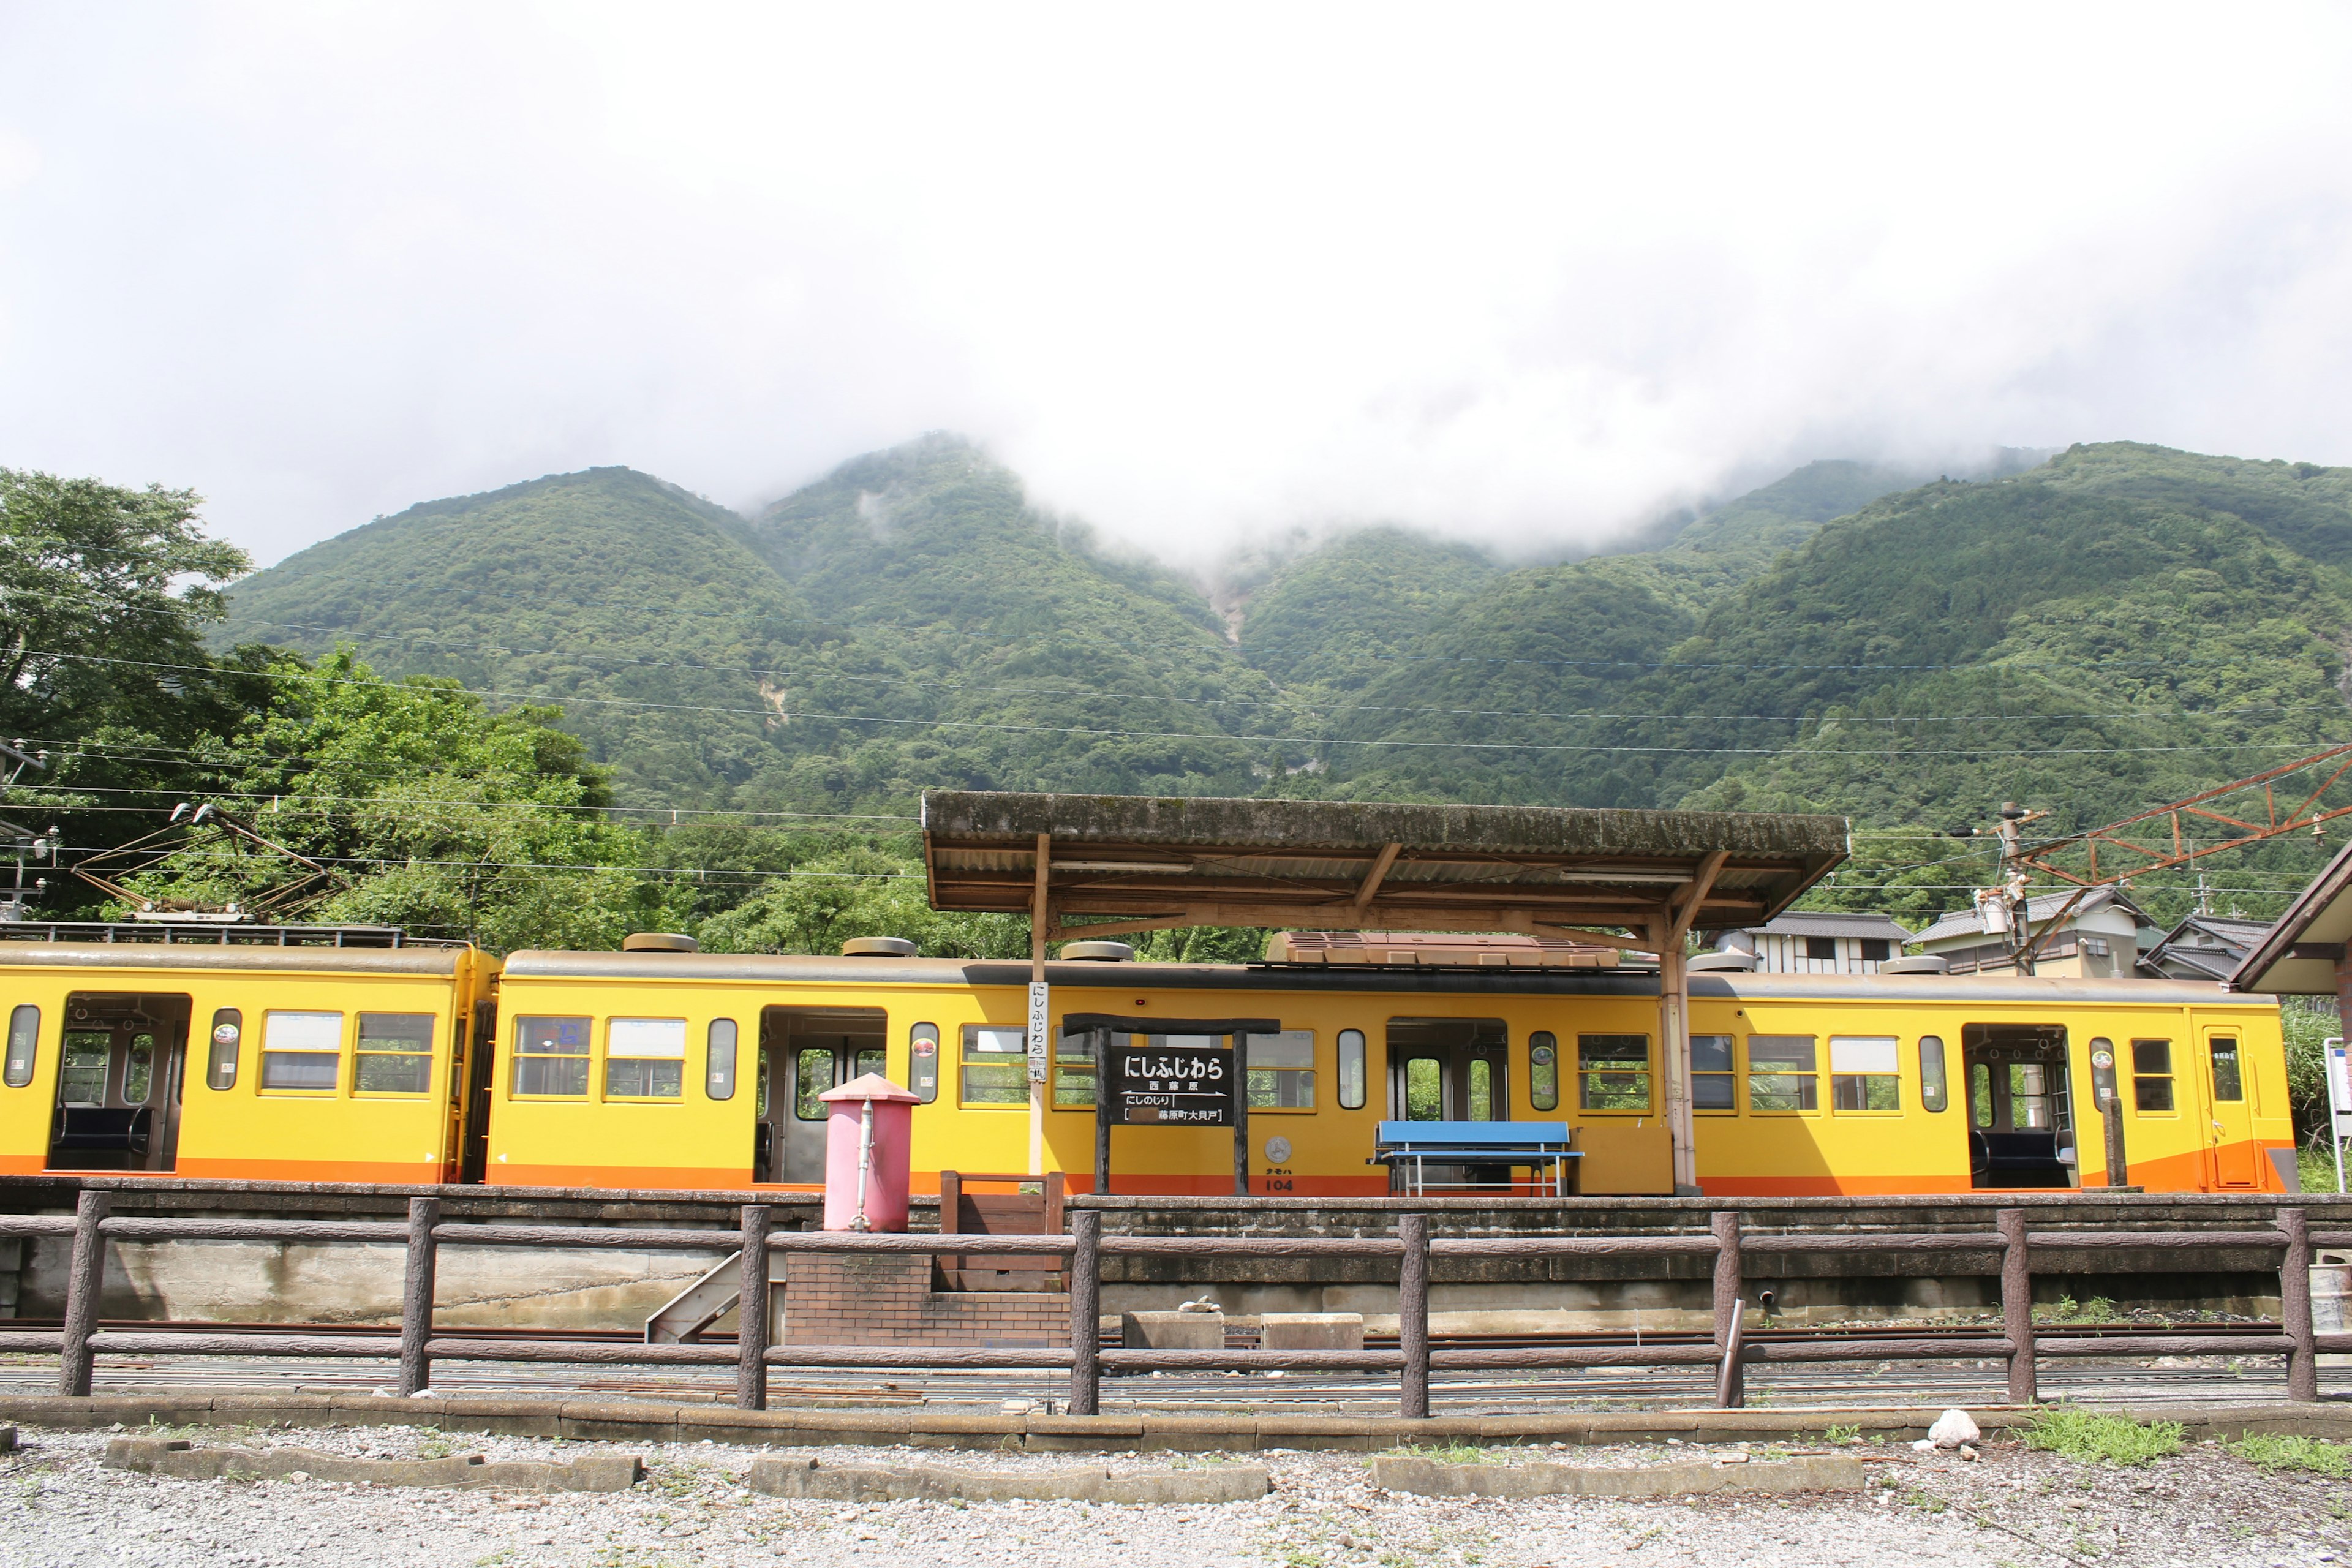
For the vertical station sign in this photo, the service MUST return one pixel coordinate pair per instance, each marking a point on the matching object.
(1040, 1044)
(2339, 1102)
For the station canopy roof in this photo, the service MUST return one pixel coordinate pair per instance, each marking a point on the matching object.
(1117, 864)
(2299, 955)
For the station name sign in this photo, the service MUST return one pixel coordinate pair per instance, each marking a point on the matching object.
(1171, 1086)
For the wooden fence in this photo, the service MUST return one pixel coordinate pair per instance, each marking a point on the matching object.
(79, 1341)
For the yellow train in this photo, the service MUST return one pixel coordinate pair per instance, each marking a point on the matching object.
(679, 1069)
(300, 1063)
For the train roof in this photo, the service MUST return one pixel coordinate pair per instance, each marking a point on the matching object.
(100, 955)
(821, 969)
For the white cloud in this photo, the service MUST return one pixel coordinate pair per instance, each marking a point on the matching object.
(1198, 272)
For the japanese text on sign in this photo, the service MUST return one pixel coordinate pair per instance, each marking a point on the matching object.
(1191, 1086)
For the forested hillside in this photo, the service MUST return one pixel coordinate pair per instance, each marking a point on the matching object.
(2119, 624)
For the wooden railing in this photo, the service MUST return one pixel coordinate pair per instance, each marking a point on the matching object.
(81, 1341)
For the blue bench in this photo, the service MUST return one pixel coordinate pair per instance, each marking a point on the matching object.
(1410, 1148)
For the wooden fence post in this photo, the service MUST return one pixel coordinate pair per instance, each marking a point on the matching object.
(751, 1313)
(1413, 1315)
(1085, 1314)
(84, 1278)
(2017, 1307)
(2294, 1305)
(1732, 1384)
(416, 1296)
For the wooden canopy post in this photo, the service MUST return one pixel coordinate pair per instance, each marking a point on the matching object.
(1674, 1054)
(1099, 1042)
(1674, 1017)
(1241, 1115)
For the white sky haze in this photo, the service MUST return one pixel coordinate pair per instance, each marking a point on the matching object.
(1197, 272)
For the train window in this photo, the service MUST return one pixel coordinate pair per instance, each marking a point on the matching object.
(301, 1051)
(1712, 1087)
(872, 1059)
(2152, 1074)
(1351, 1070)
(2227, 1082)
(1482, 1088)
(2029, 1097)
(1425, 1089)
(139, 1071)
(996, 1065)
(394, 1054)
(1282, 1071)
(1980, 1093)
(1783, 1073)
(228, 1029)
(1612, 1072)
(923, 1054)
(812, 1077)
(2102, 1072)
(1933, 1095)
(23, 1045)
(1073, 1071)
(1864, 1074)
(718, 1062)
(1543, 1070)
(550, 1056)
(81, 1073)
(644, 1058)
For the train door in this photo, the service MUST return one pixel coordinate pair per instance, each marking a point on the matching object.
(474, 1137)
(2234, 1159)
(2021, 1106)
(804, 1051)
(1448, 1070)
(121, 1083)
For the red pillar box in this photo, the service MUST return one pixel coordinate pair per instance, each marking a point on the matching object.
(868, 1139)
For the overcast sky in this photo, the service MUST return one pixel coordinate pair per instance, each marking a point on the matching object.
(1197, 273)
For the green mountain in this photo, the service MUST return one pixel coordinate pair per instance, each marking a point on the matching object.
(645, 611)
(2118, 626)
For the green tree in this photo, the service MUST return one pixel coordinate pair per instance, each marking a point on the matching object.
(858, 892)
(437, 813)
(104, 595)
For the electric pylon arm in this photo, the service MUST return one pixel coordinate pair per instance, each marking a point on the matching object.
(2122, 838)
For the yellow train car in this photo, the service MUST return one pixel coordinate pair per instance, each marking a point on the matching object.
(297, 1063)
(683, 1069)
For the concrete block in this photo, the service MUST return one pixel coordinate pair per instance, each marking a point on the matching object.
(171, 1457)
(1311, 1330)
(7, 1440)
(1171, 1330)
(503, 1417)
(1198, 1434)
(1429, 1477)
(619, 1420)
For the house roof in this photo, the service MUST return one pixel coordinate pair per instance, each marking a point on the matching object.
(1129, 862)
(1833, 922)
(2203, 947)
(2039, 908)
(2299, 956)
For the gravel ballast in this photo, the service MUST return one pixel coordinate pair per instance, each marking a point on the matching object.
(58, 1506)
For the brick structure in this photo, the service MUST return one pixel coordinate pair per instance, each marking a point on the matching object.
(887, 1300)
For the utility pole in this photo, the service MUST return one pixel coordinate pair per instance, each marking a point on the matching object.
(24, 841)
(2012, 885)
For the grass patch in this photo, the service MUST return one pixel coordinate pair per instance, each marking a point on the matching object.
(1444, 1453)
(2107, 1439)
(1840, 1434)
(2271, 1452)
